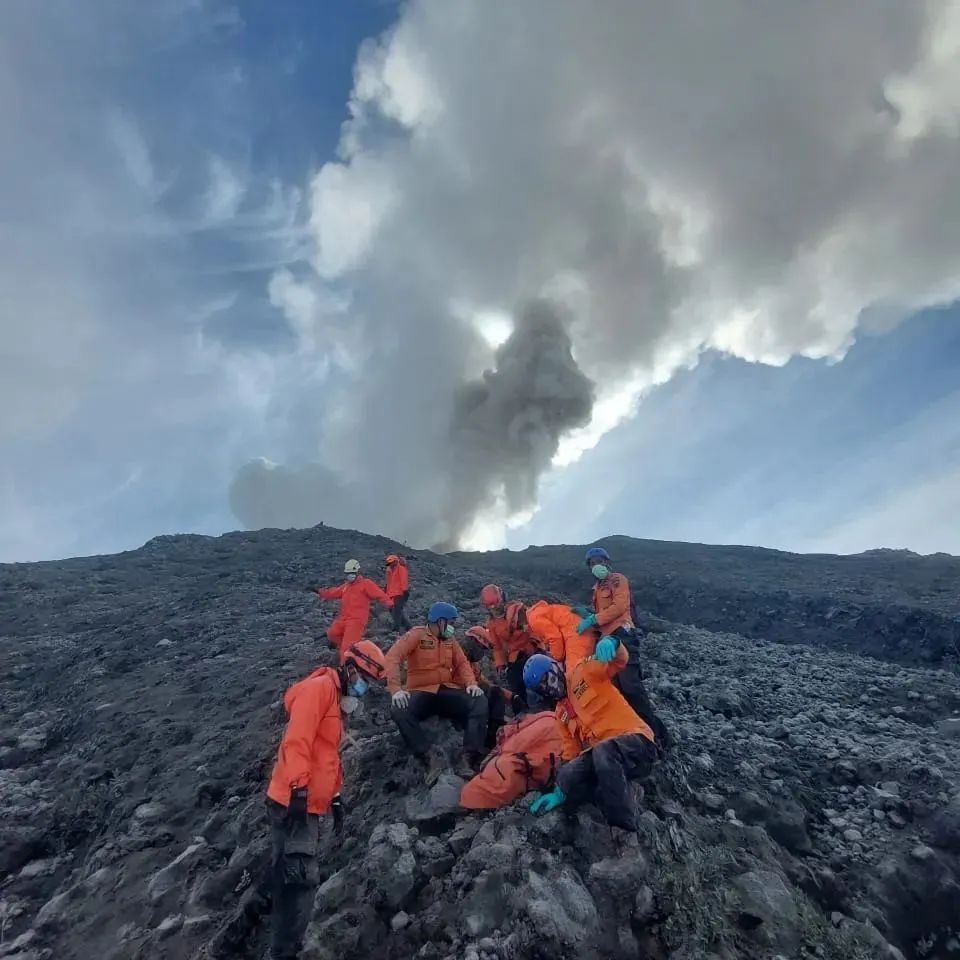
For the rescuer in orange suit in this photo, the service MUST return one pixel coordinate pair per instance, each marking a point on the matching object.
(306, 783)
(554, 627)
(398, 590)
(355, 594)
(511, 641)
(604, 742)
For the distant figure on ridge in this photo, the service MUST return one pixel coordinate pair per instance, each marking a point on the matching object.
(398, 590)
(355, 594)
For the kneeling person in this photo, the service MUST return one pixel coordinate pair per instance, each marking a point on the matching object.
(306, 783)
(440, 683)
(610, 743)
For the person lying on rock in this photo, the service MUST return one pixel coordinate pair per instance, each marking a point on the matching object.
(526, 757)
(511, 641)
(306, 783)
(440, 683)
(613, 616)
(476, 645)
(355, 594)
(604, 743)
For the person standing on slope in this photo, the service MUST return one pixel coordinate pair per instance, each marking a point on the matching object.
(398, 590)
(613, 617)
(305, 786)
(355, 594)
(510, 639)
(440, 683)
(606, 743)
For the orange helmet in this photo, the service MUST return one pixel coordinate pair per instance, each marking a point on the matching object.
(393, 558)
(516, 612)
(368, 658)
(492, 596)
(481, 636)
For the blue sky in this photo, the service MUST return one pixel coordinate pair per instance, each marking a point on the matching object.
(255, 259)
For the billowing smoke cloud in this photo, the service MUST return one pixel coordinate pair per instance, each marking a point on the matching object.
(757, 179)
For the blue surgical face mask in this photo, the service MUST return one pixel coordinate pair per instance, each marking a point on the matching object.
(600, 571)
(359, 687)
(351, 577)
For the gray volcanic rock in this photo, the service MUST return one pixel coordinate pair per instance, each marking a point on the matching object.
(809, 808)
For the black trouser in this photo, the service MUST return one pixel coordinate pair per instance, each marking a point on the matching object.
(400, 619)
(603, 774)
(629, 681)
(515, 682)
(294, 875)
(496, 714)
(447, 702)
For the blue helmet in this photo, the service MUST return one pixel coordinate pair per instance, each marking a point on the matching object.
(545, 676)
(536, 668)
(442, 611)
(596, 554)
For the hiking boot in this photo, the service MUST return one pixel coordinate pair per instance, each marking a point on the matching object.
(432, 767)
(468, 765)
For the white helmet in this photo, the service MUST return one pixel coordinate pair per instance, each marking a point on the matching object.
(351, 566)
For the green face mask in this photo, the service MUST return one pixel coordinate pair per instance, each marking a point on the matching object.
(600, 571)
(449, 631)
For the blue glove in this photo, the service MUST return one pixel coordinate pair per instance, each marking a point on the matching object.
(545, 802)
(586, 623)
(606, 649)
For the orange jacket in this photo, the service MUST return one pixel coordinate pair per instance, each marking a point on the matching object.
(611, 603)
(431, 663)
(594, 709)
(309, 754)
(398, 579)
(355, 598)
(526, 758)
(508, 644)
(555, 626)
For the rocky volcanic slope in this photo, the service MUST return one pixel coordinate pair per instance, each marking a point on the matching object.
(890, 604)
(811, 808)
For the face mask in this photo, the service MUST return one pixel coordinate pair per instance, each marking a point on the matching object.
(359, 687)
(600, 571)
(351, 577)
(449, 632)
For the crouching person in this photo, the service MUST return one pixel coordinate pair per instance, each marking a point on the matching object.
(611, 744)
(440, 683)
(305, 786)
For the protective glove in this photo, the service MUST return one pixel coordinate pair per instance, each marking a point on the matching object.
(336, 808)
(401, 699)
(545, 802)
(586, 623)
(474, 690)
(606, 649)
(297, 807)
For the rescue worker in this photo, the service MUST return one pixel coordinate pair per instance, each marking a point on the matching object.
(613, 616)
(554, 627)
(476, 645)
(440, 683)
(398, 590)
(606, 743)
(511, 641)
(525, 757)
(306, 783)
(355, 594)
